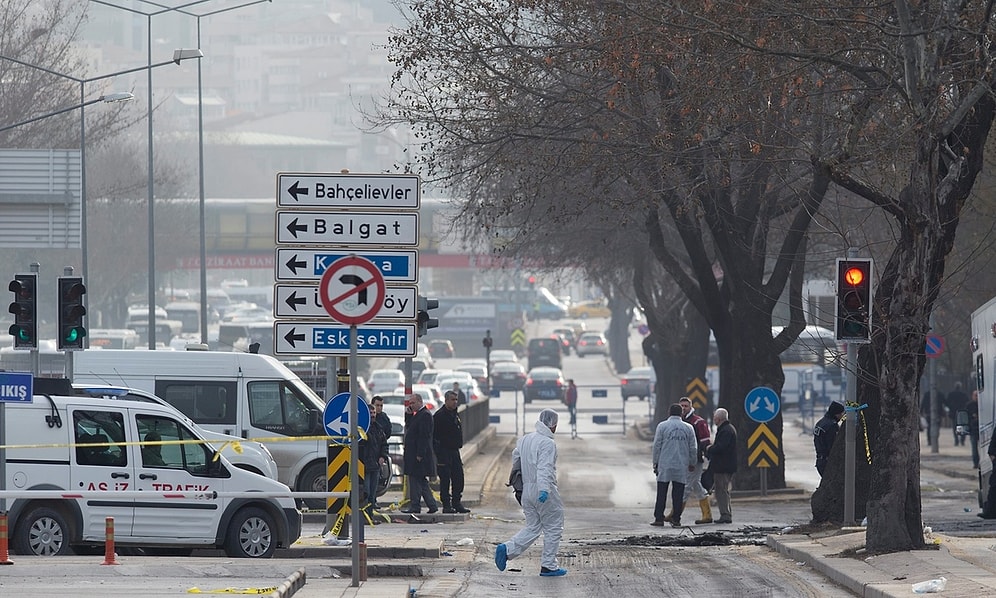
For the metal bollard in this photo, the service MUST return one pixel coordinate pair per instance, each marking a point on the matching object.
(4, 554)
(362, 548)
(109, 542)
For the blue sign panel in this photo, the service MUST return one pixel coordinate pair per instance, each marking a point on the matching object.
(298, 264)
(16, 387)
(319, 338)
(762, 404)
(336, 415)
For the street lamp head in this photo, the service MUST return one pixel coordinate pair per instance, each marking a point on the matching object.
(120, 96)
(186, 53)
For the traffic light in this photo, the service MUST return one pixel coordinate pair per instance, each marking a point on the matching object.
(423, 320)
(71, 311)
(532, 282)
(853, 320)
(25, 310)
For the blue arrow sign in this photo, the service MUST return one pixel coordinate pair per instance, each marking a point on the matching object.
(16, 387)
(762, 404)
(336, 415)
(298, 264)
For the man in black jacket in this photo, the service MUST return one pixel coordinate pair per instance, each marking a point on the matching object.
(420, 463)
(825, 432)
(373, 450)
(448, 439)
(722, 454)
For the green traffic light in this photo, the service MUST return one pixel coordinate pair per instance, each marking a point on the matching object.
(74, 334)
(23, 335)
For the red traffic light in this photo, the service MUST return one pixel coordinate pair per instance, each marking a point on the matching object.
(532, 280)
(854, 276)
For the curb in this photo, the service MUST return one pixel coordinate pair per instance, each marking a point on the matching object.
(294, 582)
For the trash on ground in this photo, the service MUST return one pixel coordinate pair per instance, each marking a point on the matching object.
(465, 542)
(333, 541)
(931, 586)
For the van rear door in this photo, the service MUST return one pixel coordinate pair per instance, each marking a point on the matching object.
(99, 465)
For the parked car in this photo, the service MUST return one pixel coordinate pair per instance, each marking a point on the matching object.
(590, 309)
(508, 375)
(429, 392)
(441, 347)
(545, 351)
(500, 355)
(544, 383)
(638, 382)
(429, 376)
(592, 343)
(383, 381)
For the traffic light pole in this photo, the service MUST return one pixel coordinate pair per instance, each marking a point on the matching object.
(850, 432)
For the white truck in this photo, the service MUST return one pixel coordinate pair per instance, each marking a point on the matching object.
(243, 394)
(984, 360)
(98, 449)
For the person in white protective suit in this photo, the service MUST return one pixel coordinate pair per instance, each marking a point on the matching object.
(536, 454)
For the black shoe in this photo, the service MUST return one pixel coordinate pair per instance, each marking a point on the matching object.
(432, 510)
(675, 522)
(449, 510)
(657, 523)
(460, 508)
(410, 511)
(723, 521)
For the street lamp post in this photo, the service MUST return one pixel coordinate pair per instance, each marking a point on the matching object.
(178, 56)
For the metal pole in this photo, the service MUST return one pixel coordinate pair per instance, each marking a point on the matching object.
(152, 211)
(35, 365)
(200, 173)
(83, 219)
(934, 432)
(354, 445)
(850, 432)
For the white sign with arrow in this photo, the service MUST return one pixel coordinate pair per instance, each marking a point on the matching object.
(325, 338)
(347, 190)
(347, 228)
(308, 265)
(304, 301)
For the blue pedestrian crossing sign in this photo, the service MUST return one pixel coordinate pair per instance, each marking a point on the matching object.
(336, 415)
(762, 404)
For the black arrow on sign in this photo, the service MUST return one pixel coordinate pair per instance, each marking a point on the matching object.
(294, 264)
(294, 227)
(361, 296)
(291, 337)
(295, 190)
(293, 300)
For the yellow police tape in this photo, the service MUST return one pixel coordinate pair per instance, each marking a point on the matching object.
(196, 590)
(234, 444)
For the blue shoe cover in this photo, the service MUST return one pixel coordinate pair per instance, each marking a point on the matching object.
(544, 572)
(501, 557)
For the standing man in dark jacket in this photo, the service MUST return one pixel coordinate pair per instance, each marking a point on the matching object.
(448, 440)
(825, 432)
(722, 455)
(420, 463)
(973, 426)
(373, 450)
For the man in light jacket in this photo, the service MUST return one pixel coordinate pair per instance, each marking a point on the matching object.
(674, 454)
(536, 455)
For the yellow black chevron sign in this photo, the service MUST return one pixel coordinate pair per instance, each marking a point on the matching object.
(762, 448)
(518, 337)
(698, 392)
(338, 478)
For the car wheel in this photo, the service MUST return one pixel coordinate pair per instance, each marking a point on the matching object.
(312, 479)
(384, 481)
(42, 532)
(251, 534)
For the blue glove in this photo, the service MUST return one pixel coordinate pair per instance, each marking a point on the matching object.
(543, 495)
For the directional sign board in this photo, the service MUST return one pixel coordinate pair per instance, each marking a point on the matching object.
(304, 301)
(347, 228)
(308, 265)
(16, 387)
(320, 190)
(762, 404)
(327, 338)
(336, 415)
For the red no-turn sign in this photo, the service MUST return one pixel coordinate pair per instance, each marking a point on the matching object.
(352, 290)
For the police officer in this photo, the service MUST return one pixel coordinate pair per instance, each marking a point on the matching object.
(825, 433)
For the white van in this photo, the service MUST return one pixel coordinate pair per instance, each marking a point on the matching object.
(242, 394)
(252, 456)
(244, 527)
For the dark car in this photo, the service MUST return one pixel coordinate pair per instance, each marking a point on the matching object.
(441, 348)
(478, 372)
(508, 375)
(544, 351)
(638, 382)
(567, 338)
(545, 383)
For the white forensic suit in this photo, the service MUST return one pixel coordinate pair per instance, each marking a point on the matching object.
(537, 455)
